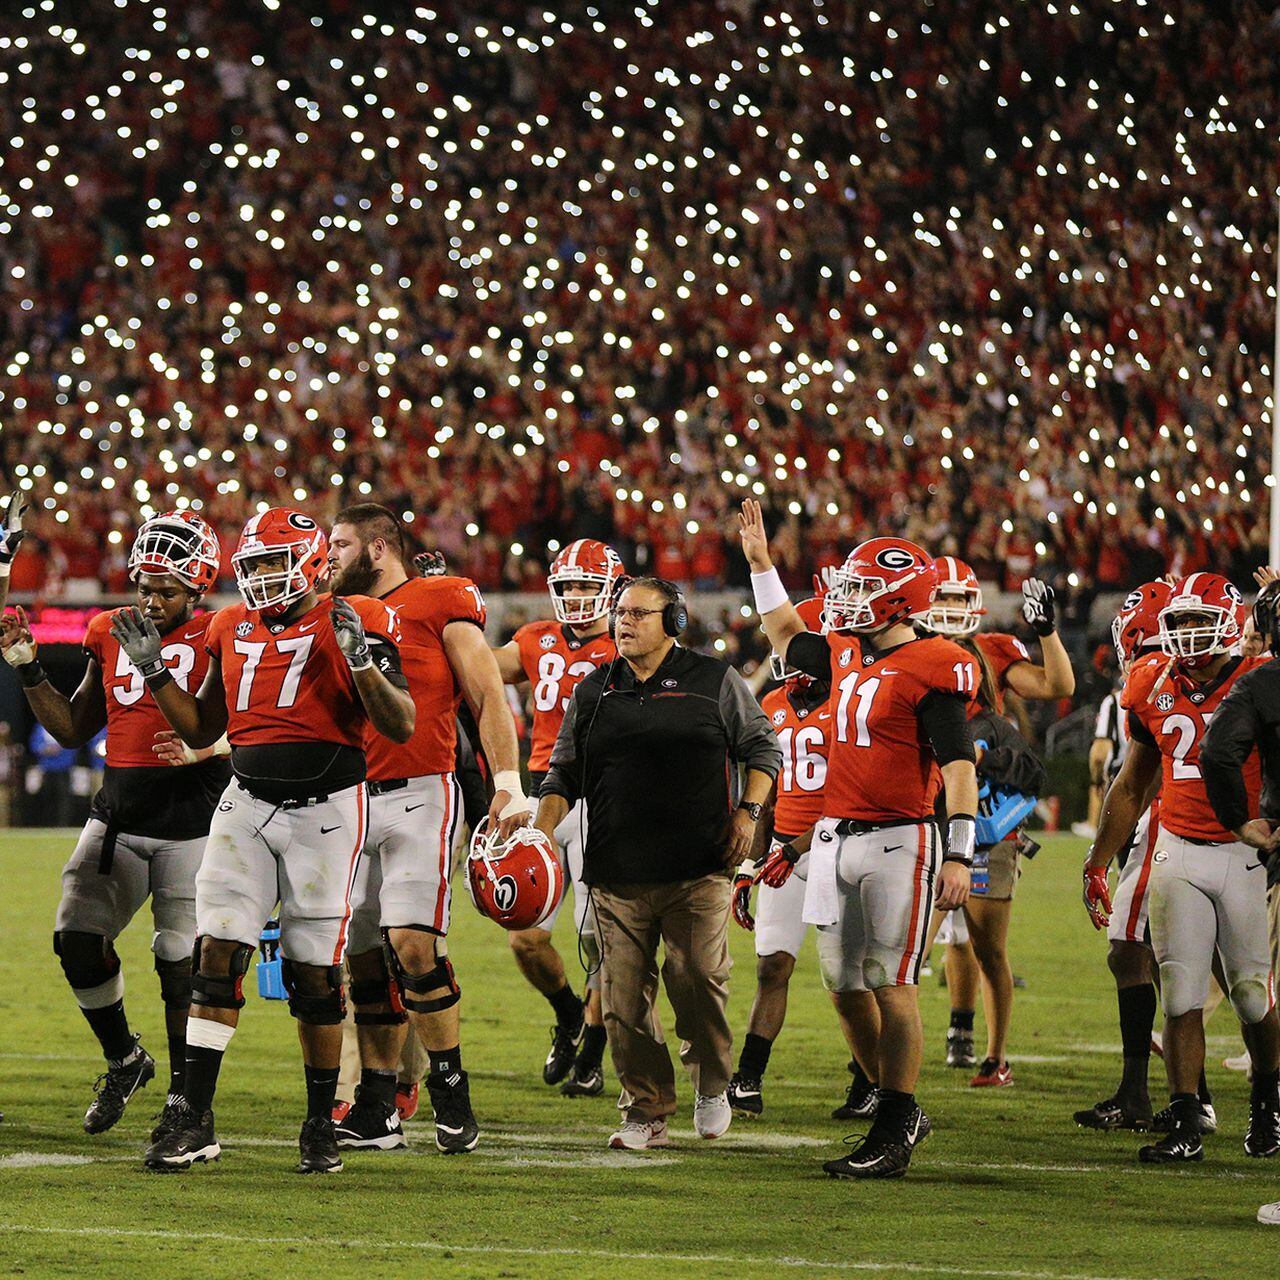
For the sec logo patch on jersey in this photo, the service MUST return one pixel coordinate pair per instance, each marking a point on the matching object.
(244, 629)
(779, 717)
(548, 642)
(1165, 702)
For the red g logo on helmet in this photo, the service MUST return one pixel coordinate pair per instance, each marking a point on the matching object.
(1137, 625)
(883, 581)
(517, 882)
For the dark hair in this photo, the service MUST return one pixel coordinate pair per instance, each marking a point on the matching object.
(987, 691)
(373, 521)
(667, 589)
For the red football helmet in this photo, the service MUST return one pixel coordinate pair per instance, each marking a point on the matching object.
(957, 608)
(180, 543)
(1219, 608)
(518, 881)
(280, 532)
(589, 563)
(810, 612)
(884, 580)
(1137, 626)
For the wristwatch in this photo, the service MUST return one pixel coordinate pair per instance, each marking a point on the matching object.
(755, 810)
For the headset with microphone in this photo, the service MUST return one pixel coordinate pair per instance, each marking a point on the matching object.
(675, 612)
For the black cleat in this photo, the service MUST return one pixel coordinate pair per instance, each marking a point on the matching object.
(1180, 1144)
(919, 1127)
(960, 1048)
(564, 1049)
(872, 1158)
(171, 1119)
(189, 1139)
(318, 1146)
(456, 1129)
(1262, 1141)
(116, 1086)
(1110, 1114)
(746, 1096)
(370, 1126)
(583, 1084)
(1162, 1121)
(862, 1102)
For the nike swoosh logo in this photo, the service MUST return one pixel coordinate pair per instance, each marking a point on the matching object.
(444, 1128)
(889, 671)
(409, 808)
(191, 635)
(914, 1131)
(1252, 866)
(310, 625)
(324, 831)
(892, 848)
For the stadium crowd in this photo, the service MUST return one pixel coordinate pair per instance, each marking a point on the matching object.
(533, 278)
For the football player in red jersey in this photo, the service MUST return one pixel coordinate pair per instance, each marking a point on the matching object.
(1004, 664)
(401, 901)
(293, 681)
(1135, 633)
(554, 656)
(799, 713)
(147, 826)
(899, 704)
(1207, 887)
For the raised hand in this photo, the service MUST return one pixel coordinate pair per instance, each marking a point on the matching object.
(348, 630)
(755, 543)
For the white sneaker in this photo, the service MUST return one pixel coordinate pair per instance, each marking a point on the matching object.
(1242, 1063)
(711, 1115)
(1085, 829)
(1269, 1214)
(641, 1135)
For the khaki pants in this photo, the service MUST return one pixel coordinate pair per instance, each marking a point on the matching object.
(691, 921)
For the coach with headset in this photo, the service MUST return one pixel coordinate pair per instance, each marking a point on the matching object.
(655, 742)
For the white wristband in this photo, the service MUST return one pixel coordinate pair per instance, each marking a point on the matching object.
(768, 590)
(508, 780)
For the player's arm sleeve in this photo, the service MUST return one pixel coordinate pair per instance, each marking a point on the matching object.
(1139, 732)
(386, 657)
(1232, 735)
(752, 741)
(945, 723)
(564, 778)
(809, 652)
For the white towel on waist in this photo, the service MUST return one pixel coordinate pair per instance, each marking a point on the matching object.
(821, 894)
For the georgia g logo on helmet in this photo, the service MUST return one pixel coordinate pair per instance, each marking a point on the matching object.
(895, 559)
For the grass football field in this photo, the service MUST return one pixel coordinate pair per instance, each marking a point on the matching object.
(1006, 1187)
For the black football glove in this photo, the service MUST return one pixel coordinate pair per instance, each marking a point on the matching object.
(1037, 606)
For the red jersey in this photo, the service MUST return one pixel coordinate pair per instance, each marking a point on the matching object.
(423, 607)
(804, 734)
(1174, 723)
(881, 766)
(555, 662)
(1001, 652)
(133, 719)
(290, 682)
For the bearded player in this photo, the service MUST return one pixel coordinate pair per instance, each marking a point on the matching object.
(147, 826)
(398, 957)
(1208, 889)
(554, 657)
(294, 680)
(901, 733)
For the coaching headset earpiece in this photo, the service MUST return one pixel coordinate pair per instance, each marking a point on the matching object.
(675, 613)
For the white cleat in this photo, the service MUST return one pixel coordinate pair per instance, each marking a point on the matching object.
(640, 1135)
(1269, 1214)
(712, 1115)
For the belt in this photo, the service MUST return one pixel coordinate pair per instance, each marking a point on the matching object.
(386, 784)
(857, 827)
(303, 803)
(1211, 844)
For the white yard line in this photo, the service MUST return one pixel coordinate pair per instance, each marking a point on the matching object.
(185, 1238)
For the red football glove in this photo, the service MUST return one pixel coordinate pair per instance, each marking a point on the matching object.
(778, 866)
(1097, 897)
(743, 879)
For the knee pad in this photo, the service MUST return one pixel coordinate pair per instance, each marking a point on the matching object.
(175, 983)
(1176, 994)
(325, 1010)
(369, 992)
(415, 988)
(91, 966)
(220, 993)
(1250, 997)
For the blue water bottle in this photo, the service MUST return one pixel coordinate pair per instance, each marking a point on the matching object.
(270, 963)
(979, 879)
